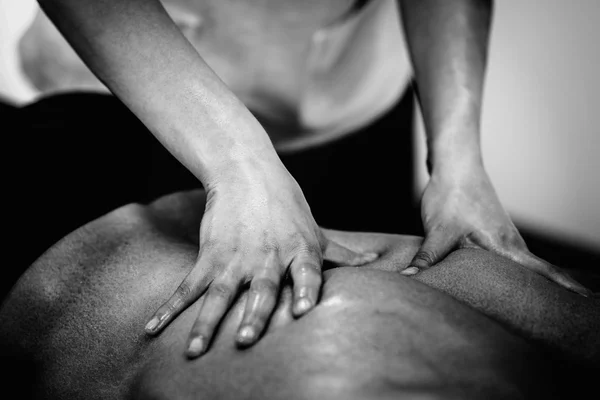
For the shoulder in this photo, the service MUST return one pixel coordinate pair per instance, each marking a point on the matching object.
(70, 322)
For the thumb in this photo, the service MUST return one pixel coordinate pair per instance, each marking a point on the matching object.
(551, 272)
(434, 248)
(340, 255)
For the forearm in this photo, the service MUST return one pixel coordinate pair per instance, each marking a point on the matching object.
(142, 57)
(447, 41)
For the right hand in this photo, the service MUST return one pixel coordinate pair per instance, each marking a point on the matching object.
(253, 230)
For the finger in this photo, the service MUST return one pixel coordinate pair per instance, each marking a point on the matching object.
(306, 274)
(282, 314)
(340, 255)
(434, 248)
(219, 297)
(260, 304)
(192, 287)
(551, 272)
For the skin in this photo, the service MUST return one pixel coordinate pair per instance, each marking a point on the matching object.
(264, 228)
(468, 328)
(448, 41)
(257, 225)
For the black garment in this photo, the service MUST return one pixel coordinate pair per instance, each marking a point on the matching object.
(78, 156)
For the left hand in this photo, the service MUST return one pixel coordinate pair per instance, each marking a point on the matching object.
(460, 209)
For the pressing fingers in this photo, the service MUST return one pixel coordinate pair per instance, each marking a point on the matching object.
(261, 301)
(189, 290)
(306, 274)
(552, 272)
(219, 297)
(434, 248)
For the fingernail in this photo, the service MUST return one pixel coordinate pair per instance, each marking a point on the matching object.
(585, 292)
(410, 271)
(368, 257)
(196, 347)
(303, 305)
(151, 326)
(302, 293)
(582, 290)
(246, 334)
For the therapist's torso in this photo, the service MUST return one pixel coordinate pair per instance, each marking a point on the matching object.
(310, 70)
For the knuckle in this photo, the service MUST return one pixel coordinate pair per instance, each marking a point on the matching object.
(306, 249)
(308, 269)
(424, 257)
(228, 250)
(269, 245)
(264, 287)
(217, 263)
(215, 250)
(441, 229)
(220, 290)
(309, 260)
(183, 292)
(207, 245)
(314, 251)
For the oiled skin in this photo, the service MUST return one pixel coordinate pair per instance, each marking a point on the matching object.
(77, 316)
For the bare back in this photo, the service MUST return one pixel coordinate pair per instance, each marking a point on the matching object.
(77, 316)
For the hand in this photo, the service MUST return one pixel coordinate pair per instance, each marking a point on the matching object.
(252, 230)
(461, 210)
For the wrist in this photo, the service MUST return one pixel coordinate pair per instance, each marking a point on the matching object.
(455, 163)
(454, 153)
(252, 172)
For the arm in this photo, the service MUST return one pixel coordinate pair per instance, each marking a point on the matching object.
(256, 224)
(448, 43)
(141, 56)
